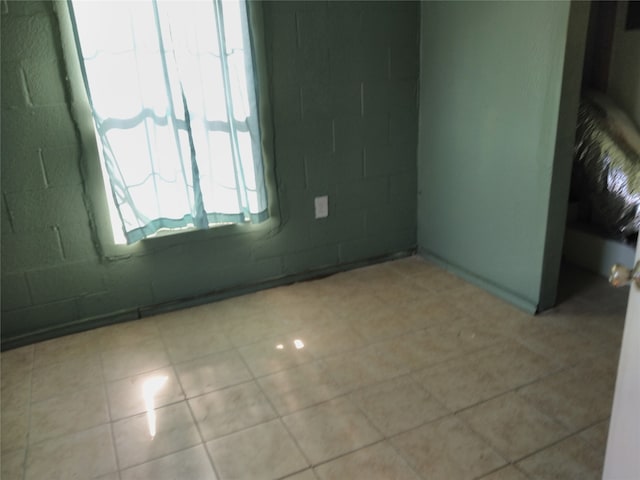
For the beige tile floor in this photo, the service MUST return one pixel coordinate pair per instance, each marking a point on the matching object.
(394, 371)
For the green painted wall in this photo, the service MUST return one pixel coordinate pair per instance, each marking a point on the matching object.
(493, 166)
(344, 92)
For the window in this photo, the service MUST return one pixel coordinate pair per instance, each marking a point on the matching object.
(174, 102)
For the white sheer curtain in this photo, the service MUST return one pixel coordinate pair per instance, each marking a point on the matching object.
(171, 86)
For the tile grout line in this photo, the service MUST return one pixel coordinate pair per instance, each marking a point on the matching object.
(279, 417)
(155, 459)
(29, 418)
(188, 404)
(563, 367)
(514, 462)
(510, 464)
(109, 412)
(553, 444)
(385, 438)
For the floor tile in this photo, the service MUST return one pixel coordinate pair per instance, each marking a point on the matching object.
(12, 465)
(16, 365)
(251, 329)
(155, 434)
(265, 452)
(514, 364)
(85, 454)
(69, 413)
(460, 382)
(194, 339)
(447, 450)
(481, 304)
(401, 291)
(362, 367)
(300, 387)
(133, 395)
(16, 395)
(330, 429)
(302, 314)
(506, 473)
(231, 409)
(375, 324)
(597, 435)
(276, 354)
(304, 475)
(377, 462)
(331, 339)
(127, 360)
(128, 334)
(605, 330)
(576, 402)
(432, 311)
(109, 476)
(523, 326)
(192, 463)
(599, 371)
(67, 348)
(14, 428)
(566, 348)
(66, 377)
(212, 372)
(388, 350)
(437, 344)
(570, 459)
(354, 303)
(514, 427)
(436, 280)
(397, 405)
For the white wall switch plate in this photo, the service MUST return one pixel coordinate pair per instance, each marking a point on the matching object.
(322, 206)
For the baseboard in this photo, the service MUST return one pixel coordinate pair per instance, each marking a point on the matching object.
(150, 310)
(500, 292)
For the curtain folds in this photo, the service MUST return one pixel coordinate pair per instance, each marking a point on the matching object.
(172, 90)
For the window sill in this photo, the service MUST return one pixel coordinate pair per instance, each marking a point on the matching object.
(110, 251)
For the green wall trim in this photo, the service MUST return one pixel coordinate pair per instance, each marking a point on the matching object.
(217, 295)
(511, 297)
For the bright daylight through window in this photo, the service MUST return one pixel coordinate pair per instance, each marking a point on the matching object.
(172, 90)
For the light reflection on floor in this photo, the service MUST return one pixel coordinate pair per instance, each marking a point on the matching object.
(399, 368)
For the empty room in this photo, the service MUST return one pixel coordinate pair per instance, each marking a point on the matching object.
(319, 240)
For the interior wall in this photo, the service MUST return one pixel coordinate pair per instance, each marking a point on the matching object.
(344, 97)
(624, 69)
(490, 93)
(575, 47)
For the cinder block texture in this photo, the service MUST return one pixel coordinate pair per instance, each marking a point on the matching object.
(32, 209)
(342, 78)
(64, 281)
(22, 170)
(13, 87)
(15, 293)
(32, 249)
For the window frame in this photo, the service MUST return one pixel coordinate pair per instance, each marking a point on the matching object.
(95, 194)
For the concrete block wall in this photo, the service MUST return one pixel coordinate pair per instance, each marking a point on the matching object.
(344, 96)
